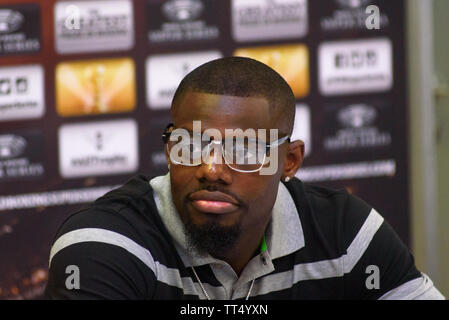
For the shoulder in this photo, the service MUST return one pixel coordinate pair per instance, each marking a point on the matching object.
(337, 213)
(121, 209)
(118, 234)
(135, 194)
(324, 199)
(358, 237)
(125, 218)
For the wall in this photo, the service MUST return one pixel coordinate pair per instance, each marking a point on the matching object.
(427, 48)
(441, 45)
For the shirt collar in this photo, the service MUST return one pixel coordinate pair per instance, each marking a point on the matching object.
(284, 234)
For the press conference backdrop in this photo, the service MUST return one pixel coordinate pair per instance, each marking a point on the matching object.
(86, 86)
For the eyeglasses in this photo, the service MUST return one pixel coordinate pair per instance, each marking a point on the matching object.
(240, 154)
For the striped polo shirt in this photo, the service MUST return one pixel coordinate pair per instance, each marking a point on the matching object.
(320, 244)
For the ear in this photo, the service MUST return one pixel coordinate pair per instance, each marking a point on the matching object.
(167, 156)
(294, 158)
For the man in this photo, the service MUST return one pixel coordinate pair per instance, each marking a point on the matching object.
(221, 226)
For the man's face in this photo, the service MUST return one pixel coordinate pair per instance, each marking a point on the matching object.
(216, 203)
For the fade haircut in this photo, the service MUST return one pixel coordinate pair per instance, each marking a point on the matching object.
(242, 77)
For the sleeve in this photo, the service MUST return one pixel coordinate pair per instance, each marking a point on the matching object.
(90, 261)
(377, 264)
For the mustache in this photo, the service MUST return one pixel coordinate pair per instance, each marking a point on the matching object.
(215, 187)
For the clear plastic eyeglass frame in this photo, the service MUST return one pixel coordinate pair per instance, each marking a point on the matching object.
(274, 144)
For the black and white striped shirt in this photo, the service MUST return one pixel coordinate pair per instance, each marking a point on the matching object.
(321, 244)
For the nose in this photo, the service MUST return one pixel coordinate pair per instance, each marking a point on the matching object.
(214, 168)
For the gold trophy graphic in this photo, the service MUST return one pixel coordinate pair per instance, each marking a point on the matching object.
(290, 61)
(95, 87)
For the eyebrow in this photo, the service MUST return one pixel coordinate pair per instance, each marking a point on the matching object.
(234, 136)
(280, 133)
(189, 130)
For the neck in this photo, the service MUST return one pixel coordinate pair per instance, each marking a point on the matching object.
(246, 247)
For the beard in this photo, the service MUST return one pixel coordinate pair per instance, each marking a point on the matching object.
(211, 238)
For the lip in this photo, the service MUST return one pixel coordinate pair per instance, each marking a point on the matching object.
(213, 202)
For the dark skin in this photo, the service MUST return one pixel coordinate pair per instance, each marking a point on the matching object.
(255, 193)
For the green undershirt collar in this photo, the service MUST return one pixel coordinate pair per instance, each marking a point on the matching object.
(263, 245)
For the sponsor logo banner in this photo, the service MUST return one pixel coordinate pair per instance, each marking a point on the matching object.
(21, 92)
(159, 160)
(53, 198)
(95, 87)
(98, 148)
(20, 29)
(358, 66)
(358, 126)
(155, 149)
(349, 15)
(165, 72)
(182, 20)
(21, 155)
(290, 61)
(254, 20)
(353, 4)
(348, 171)
(89, 26)
(302, 127)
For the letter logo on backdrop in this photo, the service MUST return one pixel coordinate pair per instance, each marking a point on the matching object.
(72, 22)
(353, 4)
(90, 26)
(183, 10)
(254, 20)
(160, 90)
(357, 127)
(20, 29)
(98, 148)
(353, 15)
(21, 92)
(10, 20)
(21, 155)
(373, 21)
(358, 66)
(175, 21)
(302, 127)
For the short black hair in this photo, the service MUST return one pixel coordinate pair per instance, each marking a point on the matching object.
(242, 77)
